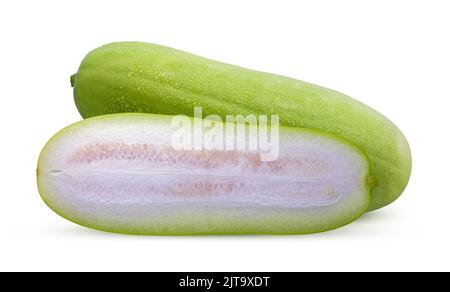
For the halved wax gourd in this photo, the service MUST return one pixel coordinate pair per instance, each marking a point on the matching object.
(121, 173)
(141, 77)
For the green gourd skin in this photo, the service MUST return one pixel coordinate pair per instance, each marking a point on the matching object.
(142, 77)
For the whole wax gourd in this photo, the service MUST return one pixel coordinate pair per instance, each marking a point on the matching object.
(142, 77)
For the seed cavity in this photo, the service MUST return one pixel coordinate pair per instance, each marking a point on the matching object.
(143, 173)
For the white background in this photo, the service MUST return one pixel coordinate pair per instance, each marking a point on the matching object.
(392, 55)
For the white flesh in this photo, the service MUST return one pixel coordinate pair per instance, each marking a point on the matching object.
(122, 174)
